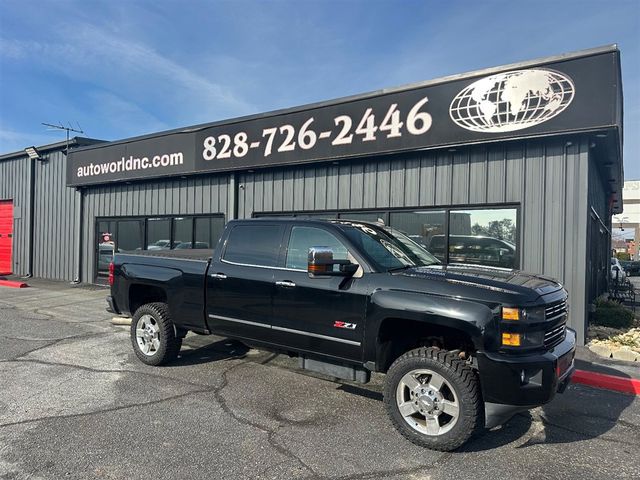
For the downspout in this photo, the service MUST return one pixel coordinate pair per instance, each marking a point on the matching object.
(32, 209)
(79, 232)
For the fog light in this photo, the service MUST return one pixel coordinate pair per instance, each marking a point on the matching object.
(511, 339)
(510, 313)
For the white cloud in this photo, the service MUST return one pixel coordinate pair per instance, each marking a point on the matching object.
(109, 60)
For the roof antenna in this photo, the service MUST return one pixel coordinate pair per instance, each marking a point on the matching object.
(66, 129)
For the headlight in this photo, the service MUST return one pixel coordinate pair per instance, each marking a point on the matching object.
(530, 315)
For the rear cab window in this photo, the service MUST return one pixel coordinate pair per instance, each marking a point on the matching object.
(254, 245)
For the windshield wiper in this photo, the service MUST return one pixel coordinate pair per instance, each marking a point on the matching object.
(397, 269)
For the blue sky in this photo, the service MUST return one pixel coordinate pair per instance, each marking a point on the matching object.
(123, 68)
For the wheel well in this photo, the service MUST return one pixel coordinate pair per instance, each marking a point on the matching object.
(141, 294)
(399, 335)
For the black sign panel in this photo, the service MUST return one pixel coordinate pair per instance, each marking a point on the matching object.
(569, 95)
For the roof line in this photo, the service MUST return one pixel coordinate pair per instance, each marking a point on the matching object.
(83, 141)
(361, 96)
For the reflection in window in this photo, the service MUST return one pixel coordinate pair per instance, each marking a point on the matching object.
(426, 228)
(106, 245)
(363, 216)
(256, 245)
(130, 235)
(182, 232)
(303, 238)
(484, 237)
(208, 231)
(158, 233)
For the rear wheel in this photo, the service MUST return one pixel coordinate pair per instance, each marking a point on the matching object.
(433, 398)
(153, 336)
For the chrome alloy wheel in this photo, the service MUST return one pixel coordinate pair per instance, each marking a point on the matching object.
(148, 335)
(427, 402)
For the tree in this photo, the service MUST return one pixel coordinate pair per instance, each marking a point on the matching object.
(503, 229)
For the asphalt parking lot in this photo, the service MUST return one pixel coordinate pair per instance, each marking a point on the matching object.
(76, 403)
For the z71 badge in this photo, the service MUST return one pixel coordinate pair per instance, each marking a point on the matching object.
(348, 326)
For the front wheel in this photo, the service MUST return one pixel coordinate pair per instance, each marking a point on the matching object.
(153, 337)
(433, 398)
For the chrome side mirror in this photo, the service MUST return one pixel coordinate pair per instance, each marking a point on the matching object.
(320, 263)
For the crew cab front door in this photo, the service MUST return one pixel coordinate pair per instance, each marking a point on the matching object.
(323, 315)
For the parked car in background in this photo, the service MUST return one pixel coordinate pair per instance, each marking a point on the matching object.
(475, 249)
(631, 267)
(160, 245)
(617, 272)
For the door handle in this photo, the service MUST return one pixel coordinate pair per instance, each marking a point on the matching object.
(285, 283)
(218, 276)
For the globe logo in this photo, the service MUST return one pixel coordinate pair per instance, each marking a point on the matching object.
(512, 100)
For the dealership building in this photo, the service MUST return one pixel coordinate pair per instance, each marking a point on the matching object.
(518, 166)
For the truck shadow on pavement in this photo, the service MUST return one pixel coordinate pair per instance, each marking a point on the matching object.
(223, 349)
(581, 413)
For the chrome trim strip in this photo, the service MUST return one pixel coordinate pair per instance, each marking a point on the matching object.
(316, 335)
(563, 314)
(261, 266)
(237, 320)
(288, 330)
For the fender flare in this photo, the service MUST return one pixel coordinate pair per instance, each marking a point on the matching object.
(473, 318)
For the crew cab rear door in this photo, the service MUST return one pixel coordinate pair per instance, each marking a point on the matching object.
(322, 315)
(240, 281)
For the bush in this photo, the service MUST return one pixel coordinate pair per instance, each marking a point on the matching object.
(612, 314)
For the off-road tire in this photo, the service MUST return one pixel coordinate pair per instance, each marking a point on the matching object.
(169, 343)
(461, 377)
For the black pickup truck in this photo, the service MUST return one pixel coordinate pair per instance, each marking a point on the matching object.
(463, 347)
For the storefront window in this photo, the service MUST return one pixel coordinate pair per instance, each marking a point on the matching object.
(208, 231)
(484, 237)
(122, 235)
(158, 233)
(426, 228)
(182, 232)
(130, 235)
(477, 236)
(363, 216)
(105, 242)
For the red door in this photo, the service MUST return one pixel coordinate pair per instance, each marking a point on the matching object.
(6, 234)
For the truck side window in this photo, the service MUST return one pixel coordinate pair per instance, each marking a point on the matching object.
(302, 238)
(256, 245)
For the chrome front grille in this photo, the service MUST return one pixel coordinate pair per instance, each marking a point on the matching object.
(555, 310)
(555, 335)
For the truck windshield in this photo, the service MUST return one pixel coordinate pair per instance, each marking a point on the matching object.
(387, 248)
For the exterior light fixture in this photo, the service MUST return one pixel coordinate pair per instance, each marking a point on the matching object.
(33, 153)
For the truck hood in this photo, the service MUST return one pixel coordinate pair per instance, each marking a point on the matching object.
(488, 278)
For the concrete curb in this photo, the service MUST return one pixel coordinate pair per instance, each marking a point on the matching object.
(609, 382)
(12, 284)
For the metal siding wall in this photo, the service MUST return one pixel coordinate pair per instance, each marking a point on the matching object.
(548, 179)
(14, 185)
(188, 196)
(55, 207)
